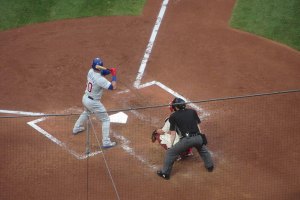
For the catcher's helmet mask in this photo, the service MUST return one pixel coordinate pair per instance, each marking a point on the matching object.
(178, 103)
(97, 61)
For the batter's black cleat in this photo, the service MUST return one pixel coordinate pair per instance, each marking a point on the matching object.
(210, 169)
(163, 175)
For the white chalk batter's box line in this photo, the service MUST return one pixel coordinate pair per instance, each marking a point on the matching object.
(124, 141)
(117, 118)
(34, 125)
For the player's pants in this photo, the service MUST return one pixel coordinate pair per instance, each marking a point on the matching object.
(96, 107)
(183, 145)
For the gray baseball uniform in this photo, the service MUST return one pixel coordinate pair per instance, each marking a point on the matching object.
(96, 84)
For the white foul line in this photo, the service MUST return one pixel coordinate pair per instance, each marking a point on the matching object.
(140, 74)
(150, 43)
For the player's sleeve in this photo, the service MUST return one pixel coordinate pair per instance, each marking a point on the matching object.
(111, 87)
(103, 82)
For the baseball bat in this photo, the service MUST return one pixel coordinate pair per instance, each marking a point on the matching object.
(101, 67)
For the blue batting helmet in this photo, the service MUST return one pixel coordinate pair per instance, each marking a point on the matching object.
(97, 61)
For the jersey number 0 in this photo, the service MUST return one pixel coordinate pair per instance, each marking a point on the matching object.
(89, 87)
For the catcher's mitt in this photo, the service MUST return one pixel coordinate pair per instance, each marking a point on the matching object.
(153, 136)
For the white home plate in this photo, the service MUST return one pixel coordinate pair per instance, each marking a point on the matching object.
(119, 117)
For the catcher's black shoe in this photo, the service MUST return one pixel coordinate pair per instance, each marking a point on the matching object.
(163, 175)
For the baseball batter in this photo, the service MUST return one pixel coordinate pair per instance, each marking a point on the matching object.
(96, 84)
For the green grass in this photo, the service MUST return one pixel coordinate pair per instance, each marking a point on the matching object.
(16, 13)
(278, 20)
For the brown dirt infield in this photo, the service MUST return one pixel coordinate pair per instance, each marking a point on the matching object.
(43, 69)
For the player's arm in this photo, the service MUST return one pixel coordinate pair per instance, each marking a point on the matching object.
(165, 128)
(113, 84)
(160, 131)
